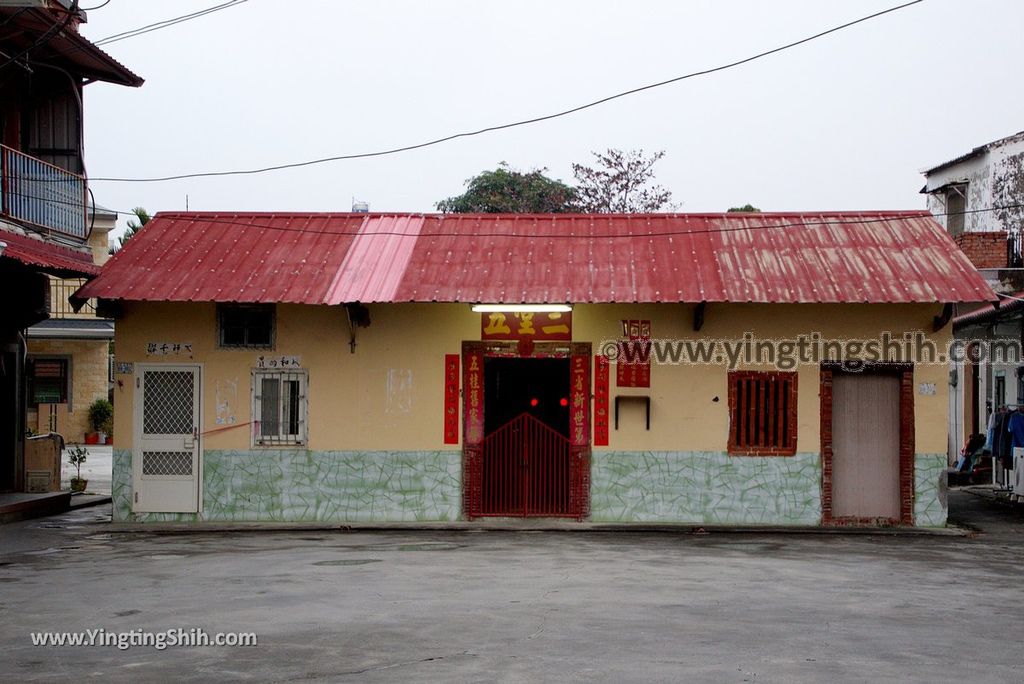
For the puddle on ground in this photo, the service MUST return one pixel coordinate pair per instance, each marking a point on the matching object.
(429, 546)
(348, 561)
(417, 546)
(43, 552)
(10, 579)
(167, 556)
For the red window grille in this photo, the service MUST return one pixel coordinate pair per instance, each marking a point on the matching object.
(762, 413)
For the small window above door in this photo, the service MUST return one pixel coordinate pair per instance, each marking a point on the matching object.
(245, 326)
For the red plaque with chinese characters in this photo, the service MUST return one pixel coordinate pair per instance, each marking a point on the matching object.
(451, 398)
(473, 390)
(538, 327)
(601, 380)
(579, 402)
(633, 366)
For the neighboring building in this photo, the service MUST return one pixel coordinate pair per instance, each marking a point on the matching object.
(69, 353)
(44, 220)
(974, 196)
(397, 367)
(962, 193)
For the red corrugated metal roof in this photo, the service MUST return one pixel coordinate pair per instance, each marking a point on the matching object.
(510, 258)
(987, 313)
(55, 259)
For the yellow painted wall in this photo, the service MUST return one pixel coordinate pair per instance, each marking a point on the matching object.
(89, 382)
(351, 408)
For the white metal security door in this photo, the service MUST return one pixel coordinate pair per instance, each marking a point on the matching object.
(165, 458)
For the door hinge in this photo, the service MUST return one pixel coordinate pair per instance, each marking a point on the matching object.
(138, 383)
(136, 497)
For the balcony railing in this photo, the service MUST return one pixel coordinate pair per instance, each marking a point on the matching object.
(41, 195)
(60, 290)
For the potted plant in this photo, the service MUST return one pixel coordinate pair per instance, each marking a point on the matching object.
(108, 429)
(101, 412)
(77, 455)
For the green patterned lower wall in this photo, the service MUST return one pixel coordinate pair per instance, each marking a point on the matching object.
(377, 486)
(705, 488)
(306, 486)
(930, 490)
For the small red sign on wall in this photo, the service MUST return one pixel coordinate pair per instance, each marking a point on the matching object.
(539, 327)
(633, 366)
(601, 380)
(451, 398)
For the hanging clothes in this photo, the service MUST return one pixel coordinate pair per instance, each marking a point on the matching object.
(1016, 429)
(990, 434)
(998, 432)
(1005, 453)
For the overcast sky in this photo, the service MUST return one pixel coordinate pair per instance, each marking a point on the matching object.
(845, 122)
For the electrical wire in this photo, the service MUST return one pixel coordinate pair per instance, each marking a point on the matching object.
(515, 124)
(205, 218)
(58, 27)
(90, 9)
(156, 26)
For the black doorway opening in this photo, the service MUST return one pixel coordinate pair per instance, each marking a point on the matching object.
(538, 387)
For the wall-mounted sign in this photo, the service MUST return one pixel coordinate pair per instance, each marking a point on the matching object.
(124, 368)
(522, 325)
(601, 380)
(473, 391)
(633, 366)
(169, 349)
(284, 362)
(451, 398)
(579, 414)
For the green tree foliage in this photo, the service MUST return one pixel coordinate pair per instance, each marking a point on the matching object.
(745, 209)
(505, 190)
(621, 182)
(135, 224)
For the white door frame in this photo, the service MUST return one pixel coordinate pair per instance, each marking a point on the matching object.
(137, 437)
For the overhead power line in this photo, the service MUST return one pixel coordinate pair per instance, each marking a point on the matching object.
(884, 218)
(514, 124)
(57, 27)
(586, 235)
(156, 26)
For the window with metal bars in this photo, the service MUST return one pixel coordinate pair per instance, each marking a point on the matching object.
(48, 381)
(279, 407)
(248, 326)
(762, 413)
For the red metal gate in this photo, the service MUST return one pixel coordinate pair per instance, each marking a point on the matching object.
(526, 470)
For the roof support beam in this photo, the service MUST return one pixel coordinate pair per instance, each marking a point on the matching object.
(698, 316)
(940, 321)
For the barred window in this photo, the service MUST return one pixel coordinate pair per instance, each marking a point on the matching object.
(48, 381)
(279, 407)
(762, 413)
(246, 325)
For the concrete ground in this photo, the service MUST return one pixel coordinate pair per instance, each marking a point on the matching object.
(521, 606)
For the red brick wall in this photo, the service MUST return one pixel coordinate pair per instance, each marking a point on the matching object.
(985, 250)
